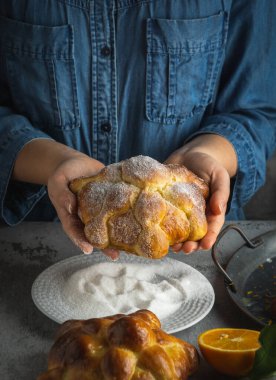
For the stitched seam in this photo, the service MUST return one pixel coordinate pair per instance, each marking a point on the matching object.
(132, 3)
(76, 4)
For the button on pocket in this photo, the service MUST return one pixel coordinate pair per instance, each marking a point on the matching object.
(40, 73)
(106, 127)
(183, 62)
(106, 51)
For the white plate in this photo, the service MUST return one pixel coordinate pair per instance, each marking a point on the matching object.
(195, 302)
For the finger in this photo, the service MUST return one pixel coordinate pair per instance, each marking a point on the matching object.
(73, 227)
(112, 253)
(65, 203)
(215, 223)
(64, 199)
(70, 202)
(220, 191)
(60, 194)
(176, 247)
(189, 246)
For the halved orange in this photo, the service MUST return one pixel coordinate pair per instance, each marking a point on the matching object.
(230, 351)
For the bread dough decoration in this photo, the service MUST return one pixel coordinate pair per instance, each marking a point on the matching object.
(119, 347)
(142, 206)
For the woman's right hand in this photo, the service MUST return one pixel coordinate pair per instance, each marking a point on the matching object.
(65, 201)
(44, 161)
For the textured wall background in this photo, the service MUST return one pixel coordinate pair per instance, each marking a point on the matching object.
(263, 205)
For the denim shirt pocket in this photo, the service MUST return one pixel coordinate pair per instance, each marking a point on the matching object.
(183, 62)
(40, 73)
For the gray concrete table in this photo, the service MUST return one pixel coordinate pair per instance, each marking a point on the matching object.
(27, 335)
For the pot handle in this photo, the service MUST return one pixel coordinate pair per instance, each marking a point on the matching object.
(250, 243)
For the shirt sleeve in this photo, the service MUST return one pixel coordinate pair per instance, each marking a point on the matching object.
(16, 198)
(244, 111)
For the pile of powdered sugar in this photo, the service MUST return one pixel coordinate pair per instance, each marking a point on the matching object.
(110, 288)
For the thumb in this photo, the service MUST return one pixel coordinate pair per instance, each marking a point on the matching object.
(71, 202)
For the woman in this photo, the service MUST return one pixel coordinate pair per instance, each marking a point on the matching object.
(88, 83)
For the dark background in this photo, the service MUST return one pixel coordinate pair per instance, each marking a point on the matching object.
(263, 205)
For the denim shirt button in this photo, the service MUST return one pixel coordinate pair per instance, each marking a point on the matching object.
(106, 127)
(106, 51)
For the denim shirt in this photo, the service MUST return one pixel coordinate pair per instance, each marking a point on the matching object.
(118, 78)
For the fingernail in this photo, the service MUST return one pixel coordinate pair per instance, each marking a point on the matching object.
(87, 250)
(69, 208)
(111, 258)
(176, 252)
(191, 251)
(115, 258)
(113, 254)
(222, 207)
(177, 247)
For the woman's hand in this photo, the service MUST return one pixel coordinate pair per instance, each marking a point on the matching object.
(65, 201)
(213, 159)
(44, 161)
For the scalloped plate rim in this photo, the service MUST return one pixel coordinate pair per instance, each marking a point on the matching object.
(125, 258)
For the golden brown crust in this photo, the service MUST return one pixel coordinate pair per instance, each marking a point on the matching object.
(142, 206)
(119, 347)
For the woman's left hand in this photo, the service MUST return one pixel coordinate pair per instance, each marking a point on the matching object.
(213, 159)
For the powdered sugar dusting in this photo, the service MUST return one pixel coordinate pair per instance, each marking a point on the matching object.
(150, 207)
(143, 170)
(119, 196)
(92, 197)
(96, 232)
(124, 230)
(129, 201)
(185, 196)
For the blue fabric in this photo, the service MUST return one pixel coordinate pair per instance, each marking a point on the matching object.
(118, 78)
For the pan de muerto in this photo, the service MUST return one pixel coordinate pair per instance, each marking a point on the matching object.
(119, 347)
(142, 206)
